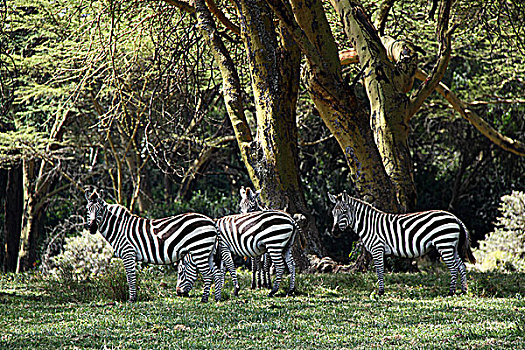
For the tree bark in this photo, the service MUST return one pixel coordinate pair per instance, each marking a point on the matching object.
(13, 217)
(274, 66)
(388, 103)
(270, 157)
(30, 219)
(336, 102)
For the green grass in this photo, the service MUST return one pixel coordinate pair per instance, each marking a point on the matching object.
(331, 311)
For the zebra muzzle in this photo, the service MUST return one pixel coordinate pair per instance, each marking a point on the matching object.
(181, 292)
(93, 227)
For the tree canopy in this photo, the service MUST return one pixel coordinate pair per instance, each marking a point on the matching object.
(172, 106)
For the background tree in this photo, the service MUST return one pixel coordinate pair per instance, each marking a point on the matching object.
(132, 98)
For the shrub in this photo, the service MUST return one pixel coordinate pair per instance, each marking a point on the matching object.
(504, 249)
(84, 257)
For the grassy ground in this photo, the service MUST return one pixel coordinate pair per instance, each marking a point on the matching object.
(331, 311)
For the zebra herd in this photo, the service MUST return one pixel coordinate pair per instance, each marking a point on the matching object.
(201, 244)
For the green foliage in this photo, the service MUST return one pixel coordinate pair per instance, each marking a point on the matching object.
(87, 270)
(504, 249)
(83, 257)
(331, 312)
(24, 143)
(210, 203)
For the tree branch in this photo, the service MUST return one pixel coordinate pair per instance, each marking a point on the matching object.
(232, 91)
(382, 16)
(222, 17)
(186, 7)
(445, 48)
(473, 118)
(506, 143)
(286, 16)
(182, 5)
(198, 163)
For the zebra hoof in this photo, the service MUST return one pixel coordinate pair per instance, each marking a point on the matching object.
(133, 300)
(236, 290)
(381, 292)
(291, 293)
(204, 300)
(272, 293)
(451, 293)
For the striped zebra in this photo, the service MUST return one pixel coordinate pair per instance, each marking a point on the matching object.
(251, 235)
(156, 241)
(405, 235)
(250, 202)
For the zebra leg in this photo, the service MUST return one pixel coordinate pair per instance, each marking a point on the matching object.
(256, 261)
(277, 259)
(378, 256)
(463, 273)
(207, 277)
(260, 269)
(129, 266)
(288, 258)
(266, 273)
(449, 257)
(228, 261)
(219, 281)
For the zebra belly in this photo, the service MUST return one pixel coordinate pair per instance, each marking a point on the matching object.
(249, 250)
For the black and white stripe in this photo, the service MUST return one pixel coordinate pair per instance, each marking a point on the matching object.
(254, 234)
(156, 241)
(250, 202)
(406, 235)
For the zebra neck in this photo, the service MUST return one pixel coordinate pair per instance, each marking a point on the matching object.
(113, 221)
(363, 214)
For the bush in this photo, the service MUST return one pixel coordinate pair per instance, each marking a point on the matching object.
(504, 249)
(86, 270)
(83, 257)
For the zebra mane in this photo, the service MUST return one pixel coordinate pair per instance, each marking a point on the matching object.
(359, 201)
(126, 210)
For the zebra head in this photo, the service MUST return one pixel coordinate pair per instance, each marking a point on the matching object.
(341, 212)
(186, 275)
(249, 201)
(95, 211)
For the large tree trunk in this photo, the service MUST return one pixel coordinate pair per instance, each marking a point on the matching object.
(270, 158)
(336, 102)
(13, 217)
(275, 67)
(30, 219)
(388, 104)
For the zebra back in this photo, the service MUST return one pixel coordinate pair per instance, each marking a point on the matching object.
(248, 234)
(158, 241)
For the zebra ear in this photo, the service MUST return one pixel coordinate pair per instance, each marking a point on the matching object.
(249, 193)
(254, 195)
(346, 197)
(332, 198)
(242, 192)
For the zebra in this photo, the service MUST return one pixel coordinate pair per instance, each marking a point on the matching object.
(250, 202)
(253, 234)
(157, 241)
(405, 235)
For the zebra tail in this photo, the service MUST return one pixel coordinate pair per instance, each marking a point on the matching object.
(302, 238)
(215, 256)
(464, 244)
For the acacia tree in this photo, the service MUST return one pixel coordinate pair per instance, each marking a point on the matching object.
(270, 155)
(373, 134)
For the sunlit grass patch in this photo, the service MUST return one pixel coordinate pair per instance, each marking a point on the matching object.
(337, 311)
